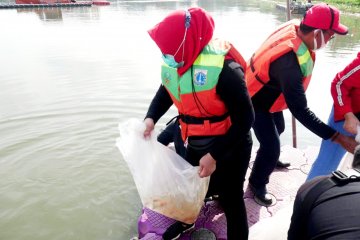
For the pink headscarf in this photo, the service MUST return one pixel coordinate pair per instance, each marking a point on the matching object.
(169, 33)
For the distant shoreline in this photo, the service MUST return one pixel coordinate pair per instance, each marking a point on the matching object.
(346, 6)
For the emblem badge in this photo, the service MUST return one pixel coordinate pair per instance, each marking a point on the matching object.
(200, 77)
(167, 78)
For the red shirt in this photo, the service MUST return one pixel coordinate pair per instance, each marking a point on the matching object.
(345, 90)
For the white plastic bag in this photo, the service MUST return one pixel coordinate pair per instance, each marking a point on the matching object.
(166, 183)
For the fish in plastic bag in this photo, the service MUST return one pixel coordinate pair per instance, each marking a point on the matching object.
(166, 182)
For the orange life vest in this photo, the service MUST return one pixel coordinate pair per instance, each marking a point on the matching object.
(201, 111)
(282, 41)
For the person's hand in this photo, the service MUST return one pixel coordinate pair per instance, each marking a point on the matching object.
(149, 127)
(348, 143)
(351, 123)
(207, 165)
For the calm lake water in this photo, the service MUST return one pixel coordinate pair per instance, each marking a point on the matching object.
(70, 75)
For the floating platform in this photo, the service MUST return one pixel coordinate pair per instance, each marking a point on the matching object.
(101, 2)
(23, 4)
(45, 5)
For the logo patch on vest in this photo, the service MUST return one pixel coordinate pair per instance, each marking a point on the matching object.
(167, 78)
(200, 77)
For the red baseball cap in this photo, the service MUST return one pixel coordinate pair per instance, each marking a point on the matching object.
(325, 17)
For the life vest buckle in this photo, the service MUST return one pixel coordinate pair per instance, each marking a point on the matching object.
(342, 179)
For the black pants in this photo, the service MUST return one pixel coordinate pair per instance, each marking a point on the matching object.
(228, 181)
(267, 128)
(172, 133)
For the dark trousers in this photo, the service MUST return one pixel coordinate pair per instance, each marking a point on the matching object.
(228, 181)
(172, 133)
(267, 128)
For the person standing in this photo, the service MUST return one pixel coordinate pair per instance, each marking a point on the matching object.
(277, 76)
(204, 78)
(344, 118)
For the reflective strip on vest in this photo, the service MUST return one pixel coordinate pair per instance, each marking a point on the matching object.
(194, 93)
(203, 75)
(305, 61)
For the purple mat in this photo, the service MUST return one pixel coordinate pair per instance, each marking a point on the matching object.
(151, 225)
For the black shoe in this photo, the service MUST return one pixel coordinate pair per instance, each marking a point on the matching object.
(175, 230)
(280, 164)
(261, 195)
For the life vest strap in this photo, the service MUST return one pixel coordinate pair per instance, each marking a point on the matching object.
(252, 63)
(342, 179)
(172, 119)
(253, 70)
(201, 120)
